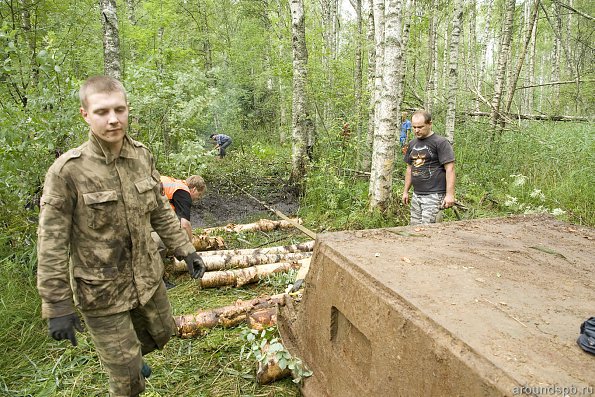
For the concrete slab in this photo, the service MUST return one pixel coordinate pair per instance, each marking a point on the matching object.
(472, 308)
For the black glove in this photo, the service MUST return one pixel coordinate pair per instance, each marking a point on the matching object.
(63, 327)
(196, 267)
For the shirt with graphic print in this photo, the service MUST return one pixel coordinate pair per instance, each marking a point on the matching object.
(427, 158)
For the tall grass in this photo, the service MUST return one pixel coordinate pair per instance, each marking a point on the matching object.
(533, 167)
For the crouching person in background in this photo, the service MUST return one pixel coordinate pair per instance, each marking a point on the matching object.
(95, 252)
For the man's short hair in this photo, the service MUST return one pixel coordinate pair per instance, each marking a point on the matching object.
(196, 181)
(427, 115)
(211, 136)
(99, 84)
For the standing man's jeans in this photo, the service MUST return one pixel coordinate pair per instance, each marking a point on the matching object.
(223, 147)
(425, 208)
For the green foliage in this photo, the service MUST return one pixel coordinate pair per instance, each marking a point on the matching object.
(255, 345)
(540, 167)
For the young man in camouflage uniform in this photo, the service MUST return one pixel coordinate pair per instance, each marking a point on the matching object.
(430, 169)
(100, 202)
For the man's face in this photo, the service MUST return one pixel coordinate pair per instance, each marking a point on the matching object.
(107, 115)
(195, 194)
(420, 128)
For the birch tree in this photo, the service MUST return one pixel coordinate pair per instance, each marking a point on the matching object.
(366, 155)
(358, 73)
(530, 71)
(383, 154)
(409, 10)
(505, 41)
(514, 78)
(301, 122)
(453, 57)
(111, 39)
(483, 52)
(432, 76)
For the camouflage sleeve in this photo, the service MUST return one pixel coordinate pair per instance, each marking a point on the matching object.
(165, 222)
(53, 241)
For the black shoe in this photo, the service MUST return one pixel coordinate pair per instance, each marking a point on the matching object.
(145, 370)
(168, 284)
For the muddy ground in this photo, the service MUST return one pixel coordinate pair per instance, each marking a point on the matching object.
(224, 202)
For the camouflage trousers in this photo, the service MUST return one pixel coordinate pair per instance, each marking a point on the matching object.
(122, 339)
(426, 208)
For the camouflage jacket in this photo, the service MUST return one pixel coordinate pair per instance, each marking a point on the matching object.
(94, 237)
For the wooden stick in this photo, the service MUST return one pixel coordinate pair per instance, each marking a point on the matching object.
(281, 215)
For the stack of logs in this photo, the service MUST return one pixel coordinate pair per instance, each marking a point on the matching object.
(237, 268)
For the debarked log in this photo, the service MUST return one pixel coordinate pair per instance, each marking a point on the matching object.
(192, 325)
(281, 249)
(252, 274)
(264, 225)
(222, 262)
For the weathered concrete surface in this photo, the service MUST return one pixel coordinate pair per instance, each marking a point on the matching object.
(472, 308)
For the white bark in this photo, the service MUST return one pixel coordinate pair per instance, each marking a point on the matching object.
(302, 247)
(366, 155)
(358, 73)
(484, 47)
(556, 55)
(514, 78)
(451, 105)
(409, 11)
(301, 122)
(383, 154)
(530, 73)
(131, 11)
(432, 77)
(111, 39)
(502, 61)
(230, 261)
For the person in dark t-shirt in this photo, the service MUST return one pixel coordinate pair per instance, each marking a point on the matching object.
(430, 170)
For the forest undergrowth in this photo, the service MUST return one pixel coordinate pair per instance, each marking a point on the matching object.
(535, 167)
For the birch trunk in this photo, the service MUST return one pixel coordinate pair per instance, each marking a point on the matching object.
(30, 37)
(300, 118)
(502, 62)
(264, 225)
(240, 277)
(484, 49)
(307, 246)
(366, 155)
(530, 74)
(229, 261)
(432, 59)
(472, 58)
(192, 325)
(453, 57)
(383, 154)
(556, 56)
(405, 40)
(131, 11)
(283, 121)
(111, 39)
(515, 77)
(358, 73)
(378, 71)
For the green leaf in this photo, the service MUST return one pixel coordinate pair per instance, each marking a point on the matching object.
(282, 363)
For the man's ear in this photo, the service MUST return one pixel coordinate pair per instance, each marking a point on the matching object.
(84, 113)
